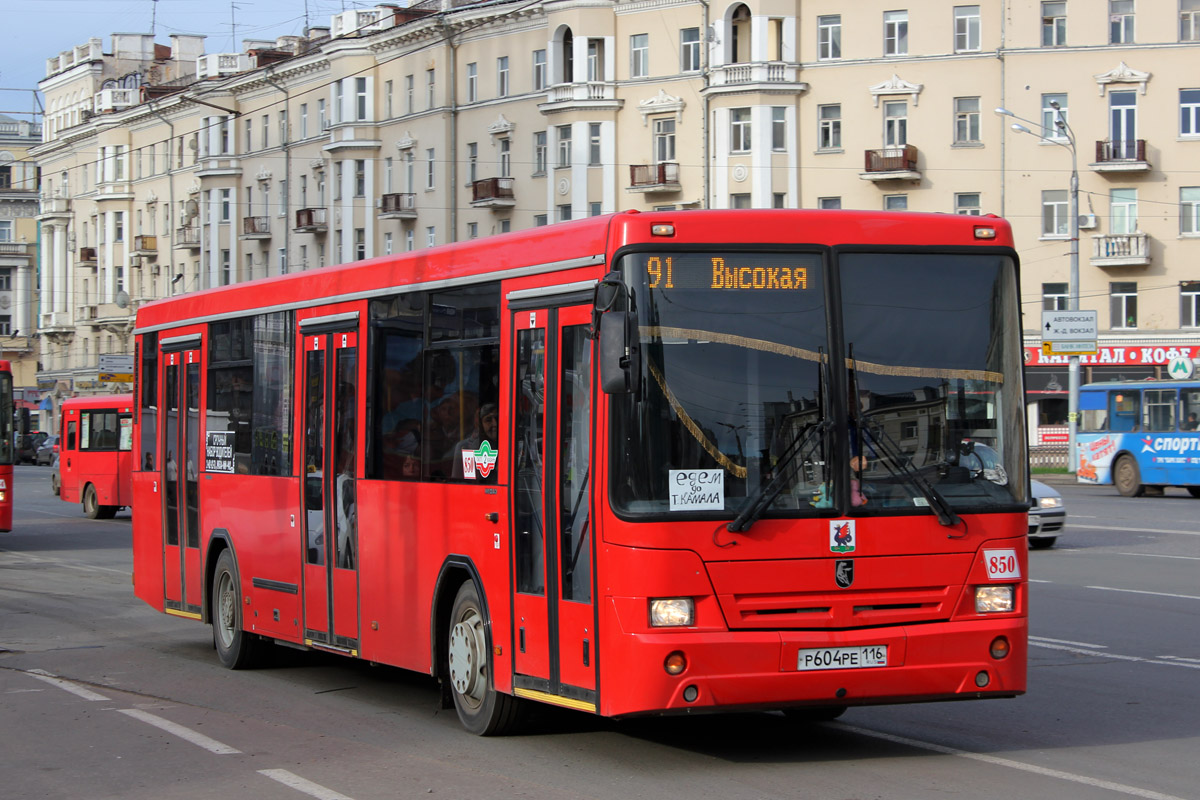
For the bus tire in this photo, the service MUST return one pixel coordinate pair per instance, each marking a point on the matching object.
(1127, 478)
(236, 648)
(1194, 491)
(55, 486)
(482, 710)
(91, 505)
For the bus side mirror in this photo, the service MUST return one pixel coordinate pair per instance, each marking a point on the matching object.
(620, 354)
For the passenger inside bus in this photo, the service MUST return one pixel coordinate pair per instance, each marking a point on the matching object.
(1190, 423)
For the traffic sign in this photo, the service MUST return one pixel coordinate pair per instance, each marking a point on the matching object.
(1069, 326)
(1069, 348)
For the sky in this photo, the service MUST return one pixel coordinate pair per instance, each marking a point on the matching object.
(41, 29)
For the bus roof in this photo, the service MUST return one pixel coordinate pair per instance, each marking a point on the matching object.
(580, 243)
(98, 401)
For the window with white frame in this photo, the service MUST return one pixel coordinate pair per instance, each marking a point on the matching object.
(639, 55)
(779, 128)
(740, 200)
(430, 236)
(322, 120)
(895, 124)
(829, 131)
(739, 130)
(966, 29)
(360, 244)
(387, 244)
(895, 202)
(409, 95)
(1054, 107)
(539, 70)
(472, 82)
(664, 140)
(1120, 21)
(1122, 297)
(360, 178)
(539, 153)
(1055, 297)
(594, 144)
(1054, 24)
(1189, 210)
(539, 220)
(1189, 304)
(226, 268)
(410, 242)
(505, 225)
(1189, 112)
(360, 99)
(502, 76)
(430, 168)
(966, 120)
(339, 102)
(595, 209)
(304, 120)
(564, 145)
(472, 162)
(689, 50)
(1123, 214)
(387, 99)
(829, 37)
(967, 203)
(6, 230)
(895, 33)
(564, 212)
(505, 145)
(829, 202)
(387, 176)
(472, 230)
(1054, 213)
(1189, 20)
(430, 87)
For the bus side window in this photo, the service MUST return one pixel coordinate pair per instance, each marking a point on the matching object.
(1189, 409)
(71, 434)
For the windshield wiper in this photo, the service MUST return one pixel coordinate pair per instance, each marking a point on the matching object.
(802, 444)
(938, 502)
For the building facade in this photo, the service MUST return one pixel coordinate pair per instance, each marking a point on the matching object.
(166, 170)
(19, 185)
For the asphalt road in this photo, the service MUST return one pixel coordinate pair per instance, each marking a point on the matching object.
(100, 697)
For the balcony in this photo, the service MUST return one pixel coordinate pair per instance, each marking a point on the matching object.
(1121, 250)
(145, 246)
(217, 65)
(582, 95)
(775, 76)
(891, 164)
(398, 205)
(652, 178)
(256, 228)
(492, 193)
(87, 255)
(311, 220)
(187, 237)
(15, 249)
(109, 100)
(1120, 156)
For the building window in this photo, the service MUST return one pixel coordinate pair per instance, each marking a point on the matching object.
(1054, 108)
(966, 29)
(430, 236)
(779, 128)
(1189, 20)
(594, 144)
(829, 202)
(387, 99)
(779, 200)
(966, 120)
(429, 168)
(1054, 212)
(409, 94)
(595, 209)
(740, 200)
(539, 70)
(539, 153)
(1189, 304)
(505, 158)
(360, 178)
(1054, 24)
(360, 99)
(410, 241)
(564, 145)
(118, 226)
(967, 203)
(1189, 112)
(739, 130)
(1120, 21)
(360, 244)
(472, 230)
(304, 120)
(472, 162)
(664, 140)
(5, 277)
(539, 220)
(502, 76)
(895, 202)
(6, 233)
(1123, 211)
(226, 199)
(505, 225)
(689, 50)
(339, 104)
(829, 37)
(472, 82)
(430, 87)
(322, 121)
(829, 134)
(895, 33)
(1189, 210)
(1122, 297)
(564, 212)
(1055, 297)
(226, 268)
(639, 55)
(1122, 131)
(895, 124)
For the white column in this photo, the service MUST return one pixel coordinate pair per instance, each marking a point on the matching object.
(23, 318)
(62, 276)
(50, 285)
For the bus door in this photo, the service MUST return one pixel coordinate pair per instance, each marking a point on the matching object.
(554, 615)
(182, 573)
(330, 529)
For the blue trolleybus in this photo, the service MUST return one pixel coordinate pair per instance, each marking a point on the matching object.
(1140, 436)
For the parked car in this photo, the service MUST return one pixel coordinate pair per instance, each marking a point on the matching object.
(55, 478)
(27, 445)
(1048, 516)
(45, 454)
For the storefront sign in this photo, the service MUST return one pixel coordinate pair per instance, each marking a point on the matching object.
(1134, 355)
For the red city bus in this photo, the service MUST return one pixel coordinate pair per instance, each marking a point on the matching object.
(7, 446)
(95, 454)
(635, 464)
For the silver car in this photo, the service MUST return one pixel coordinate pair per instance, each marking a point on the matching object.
(1047, 517)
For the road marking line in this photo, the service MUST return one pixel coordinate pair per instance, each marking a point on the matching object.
(1141, 591)
(1066, 641)
(1085, 780)
(309, 788)
(30, 559)
(1141, 530)
(1159, 555)
(1182, 658)
(1114, 656)
(66, 686)
(187, 734)
(1031, 580)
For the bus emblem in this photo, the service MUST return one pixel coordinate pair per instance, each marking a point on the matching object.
(841, 536)
(843, 573)
(479, 463)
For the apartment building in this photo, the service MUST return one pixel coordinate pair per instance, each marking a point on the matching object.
(18, 253)
(401, 128)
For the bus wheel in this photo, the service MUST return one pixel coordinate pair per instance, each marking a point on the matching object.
(482, 710)
(54, 485)
(1127, 478)
(1194, 491)
(236, 648)
(92, 508)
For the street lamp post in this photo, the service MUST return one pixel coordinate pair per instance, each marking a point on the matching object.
(1060, 123)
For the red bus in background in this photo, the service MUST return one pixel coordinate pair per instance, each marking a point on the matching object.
(7, 446)
(641, 463)
(95, 453)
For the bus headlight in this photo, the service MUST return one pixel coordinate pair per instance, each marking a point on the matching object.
(672, 612)
(989, 599)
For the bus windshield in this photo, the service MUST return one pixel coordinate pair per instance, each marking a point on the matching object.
(738, 391)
